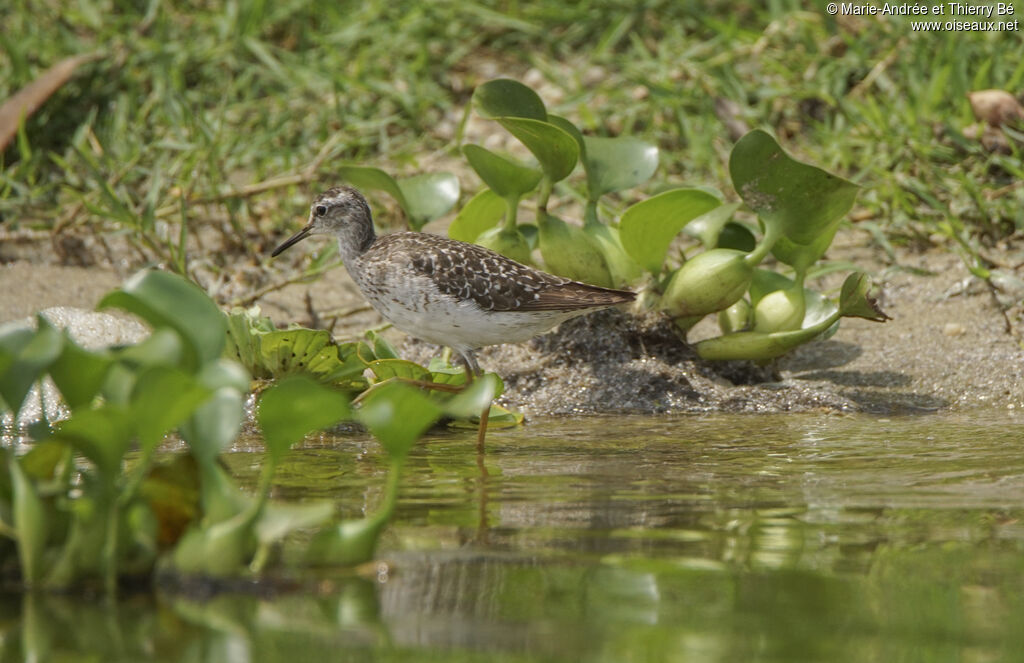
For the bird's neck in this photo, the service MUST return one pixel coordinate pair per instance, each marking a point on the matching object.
(356, 242)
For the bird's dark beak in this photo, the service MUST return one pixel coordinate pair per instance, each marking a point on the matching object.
(294, 239)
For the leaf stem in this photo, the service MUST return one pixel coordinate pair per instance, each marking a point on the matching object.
(590, 214)
(511, 211)
(772, 234)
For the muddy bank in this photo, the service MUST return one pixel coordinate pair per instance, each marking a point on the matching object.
(946, 348)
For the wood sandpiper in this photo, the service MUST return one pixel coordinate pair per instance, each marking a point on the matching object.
(444, 291)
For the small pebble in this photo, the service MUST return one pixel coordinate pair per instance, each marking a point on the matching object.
(953, 329)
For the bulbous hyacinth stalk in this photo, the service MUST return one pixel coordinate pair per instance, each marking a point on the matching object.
(710, 282)
(781, 310)
(854, 301)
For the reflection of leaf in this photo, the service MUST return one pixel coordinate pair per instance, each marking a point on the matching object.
(172, 491)
(162, 398)
(294, 407)
(278, 520)
(348, 543)
(397, 415)
(29, 98)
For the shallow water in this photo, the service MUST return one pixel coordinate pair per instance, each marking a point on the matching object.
(716, 538)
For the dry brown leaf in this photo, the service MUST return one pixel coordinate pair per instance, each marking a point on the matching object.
(995, 107)
(29, 98)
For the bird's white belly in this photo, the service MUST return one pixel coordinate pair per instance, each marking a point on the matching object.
(421, 310)
(464, 325)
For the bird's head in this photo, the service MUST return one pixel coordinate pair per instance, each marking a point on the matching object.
(342, 212)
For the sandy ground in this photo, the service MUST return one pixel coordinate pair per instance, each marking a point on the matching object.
(946, 348)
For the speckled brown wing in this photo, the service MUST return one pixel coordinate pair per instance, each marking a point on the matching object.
(494, 282)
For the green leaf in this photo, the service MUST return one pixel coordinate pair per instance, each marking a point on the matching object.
(471, 401)
(759, 346)
(801, 256)
(214, 424)
(505, 177)
(422, 197)
(272, 353)
(243, 338)
(570, 252)
(648, 227)
(737, 236)
(498, 417)
(375, 179)
(397, 415)
(291, 351)
(803, 200)
(224, 373)
(162, 399)
(43, 458)
(102, 435)
(708, 226)
(294, 407)
(162, 347)
(79, 373)
(384, 369)
(483, 211)
(556, 150)
(168, 300)
(27, 354)
(855, 299)
(29, 519)
(622, 268)
(504, 97)
(509, 243)
(569, 128)
(428, 196)
(382, 349)
(615, 164)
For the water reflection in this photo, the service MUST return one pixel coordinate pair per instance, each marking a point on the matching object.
(693, 539)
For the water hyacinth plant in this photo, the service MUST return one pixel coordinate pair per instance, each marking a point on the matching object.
(799, 208)
(91, 501)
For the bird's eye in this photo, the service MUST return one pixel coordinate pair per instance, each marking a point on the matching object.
(320, 210)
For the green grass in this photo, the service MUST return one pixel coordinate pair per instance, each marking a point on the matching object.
(192, 103)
